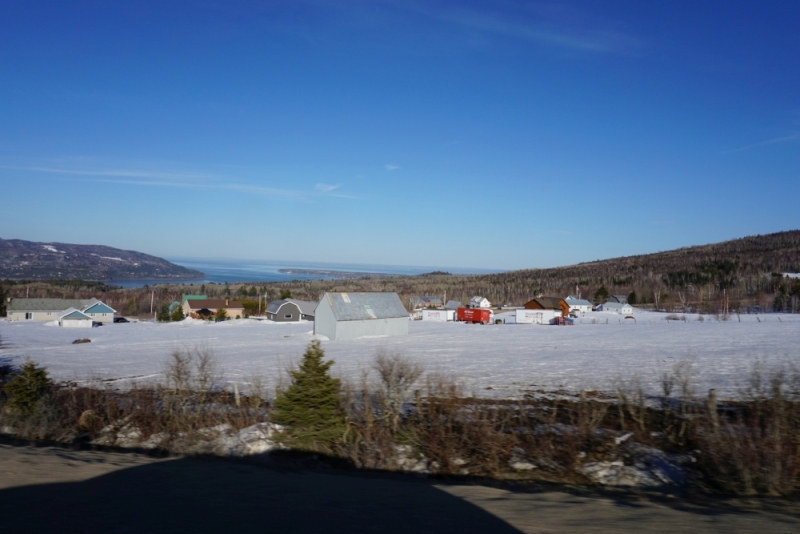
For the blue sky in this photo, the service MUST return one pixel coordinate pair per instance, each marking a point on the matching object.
(481, 134)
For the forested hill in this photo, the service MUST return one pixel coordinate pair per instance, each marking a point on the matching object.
(27, 260)
(741, 274)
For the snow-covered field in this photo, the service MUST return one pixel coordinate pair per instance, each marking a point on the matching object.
(493, 360)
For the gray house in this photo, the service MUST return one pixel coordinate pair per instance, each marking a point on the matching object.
(290, 310)
(19, 309)
(352, 315)
(453, 305)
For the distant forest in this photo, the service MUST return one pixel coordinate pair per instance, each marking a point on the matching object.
(740, 276)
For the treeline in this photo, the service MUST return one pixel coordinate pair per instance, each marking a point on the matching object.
(739, 276)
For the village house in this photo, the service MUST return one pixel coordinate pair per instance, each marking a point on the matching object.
(616, 307)
(479, 302)
(198, 309)
(23, 309)
(578, 305)
(549, 303)
(425, 302)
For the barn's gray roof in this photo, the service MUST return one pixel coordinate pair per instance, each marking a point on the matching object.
(48, 304)
(365, 306)
(452, 305)
(306, 308)
(612, 304)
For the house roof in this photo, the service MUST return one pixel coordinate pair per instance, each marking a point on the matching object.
(196, 304)
(57, 305)
(365, 306)
(615, 305)
(452, 305)
(577, 302)
(549, 303)
(73, 314)
(193, 297)
(622, 299)
(477, 300)
(305, 307)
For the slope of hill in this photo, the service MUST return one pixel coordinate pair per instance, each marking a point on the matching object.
(42, 261)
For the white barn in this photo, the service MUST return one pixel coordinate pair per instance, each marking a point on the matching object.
(351, 315)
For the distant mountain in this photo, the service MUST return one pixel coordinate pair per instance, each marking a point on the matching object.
(26, 260)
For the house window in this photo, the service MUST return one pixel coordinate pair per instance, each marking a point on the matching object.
(287, 316)
(28, 315)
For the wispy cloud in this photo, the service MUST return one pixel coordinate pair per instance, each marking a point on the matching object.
(391, 167)
(115, 173)
(776, 141)
(179, 180)
(547, 28)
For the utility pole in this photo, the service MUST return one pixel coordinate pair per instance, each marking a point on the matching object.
(152, 296)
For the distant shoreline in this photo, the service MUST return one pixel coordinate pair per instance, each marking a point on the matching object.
(332, 273)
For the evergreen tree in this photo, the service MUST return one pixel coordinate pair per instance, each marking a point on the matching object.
(221, 314)
(177, 314)
(3, 296)
(310, 408)
(601, 295)
(632, 298)
(27, 388)
(286, 294)
(163, 314)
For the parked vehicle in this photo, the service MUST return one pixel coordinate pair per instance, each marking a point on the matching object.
(474, 315)
(121, 320)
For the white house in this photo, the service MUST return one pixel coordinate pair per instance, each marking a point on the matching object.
(616, 307)
(479, 302)
(578, 305)
(352, 315)
(52, 309)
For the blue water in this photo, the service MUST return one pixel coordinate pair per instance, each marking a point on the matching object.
(222, 272)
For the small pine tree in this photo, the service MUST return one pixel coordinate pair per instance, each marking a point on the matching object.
(310, 408)
(286, 294)
(632, 298)
(177, 314)
(221, 314)
(601, 295)
(27, 388)
(163, 314)
(3, 297)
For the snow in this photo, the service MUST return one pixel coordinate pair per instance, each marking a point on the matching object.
(51, 248)
(493, 360)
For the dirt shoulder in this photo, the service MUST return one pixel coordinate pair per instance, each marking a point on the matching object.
(55, 489)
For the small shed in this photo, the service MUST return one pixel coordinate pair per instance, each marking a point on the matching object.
(548, 303)
(479, 302)
(73, 318)
(351, 315)
(290, 310)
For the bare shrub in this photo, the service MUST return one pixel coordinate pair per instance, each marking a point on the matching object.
(398, 375)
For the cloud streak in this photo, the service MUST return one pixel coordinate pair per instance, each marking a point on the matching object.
(391, 167)
(556, 33)
(776, 141)
(178, 181)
